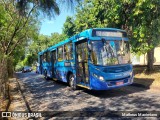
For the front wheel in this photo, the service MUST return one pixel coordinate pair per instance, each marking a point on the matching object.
(72, 82)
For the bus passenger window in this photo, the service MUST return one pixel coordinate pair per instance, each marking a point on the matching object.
(53, 54)
(68, 51)
(65, 52)
(44, 57)
(60, 53)
(48, 57)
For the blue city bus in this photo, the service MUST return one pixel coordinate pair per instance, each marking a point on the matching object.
(97, 59)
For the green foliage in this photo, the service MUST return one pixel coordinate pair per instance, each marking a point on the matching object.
(48, 8)
(19, 26)
(27, 61)
(140, 18)
(42, 42)
(56, 38)
(69, 27)
(16, 31)
(146, 28)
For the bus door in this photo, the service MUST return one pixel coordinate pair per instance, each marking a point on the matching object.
(53, 60)
(82, 62)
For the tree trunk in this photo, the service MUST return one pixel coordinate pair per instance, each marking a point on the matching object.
(3, 78)
(10, 67)
(150, 60)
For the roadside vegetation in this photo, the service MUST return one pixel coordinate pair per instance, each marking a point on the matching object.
(19, 26)
(147, 79)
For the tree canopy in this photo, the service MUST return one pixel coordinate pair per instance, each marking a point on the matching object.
(140, 18)
(19, 26)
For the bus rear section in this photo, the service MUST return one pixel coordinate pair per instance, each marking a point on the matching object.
(44, 60)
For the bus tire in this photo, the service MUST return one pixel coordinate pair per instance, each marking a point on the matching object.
(72, 82)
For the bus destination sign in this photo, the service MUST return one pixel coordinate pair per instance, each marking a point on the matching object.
(102, 33)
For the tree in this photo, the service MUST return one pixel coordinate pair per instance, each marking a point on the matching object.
(17, 26)
(16, 30)
(69, 27)
(56, 38)
(140, 18)
(50, 8)
(146, 28)
(42, 42)
(47, 7)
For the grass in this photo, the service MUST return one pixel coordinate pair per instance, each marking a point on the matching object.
(150, 80)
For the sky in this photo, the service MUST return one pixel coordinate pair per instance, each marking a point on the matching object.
(55, 25)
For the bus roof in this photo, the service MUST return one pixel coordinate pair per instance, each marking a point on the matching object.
(86, 33)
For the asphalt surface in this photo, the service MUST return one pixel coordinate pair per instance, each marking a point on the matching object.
(49, 95)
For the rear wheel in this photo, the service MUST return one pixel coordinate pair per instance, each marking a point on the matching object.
(72, 82)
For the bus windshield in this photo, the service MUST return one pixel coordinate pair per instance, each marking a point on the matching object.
(110, 52)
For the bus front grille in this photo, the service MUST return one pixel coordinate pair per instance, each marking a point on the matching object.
(114, 82)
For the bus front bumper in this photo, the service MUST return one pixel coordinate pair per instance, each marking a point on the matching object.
(97, 84)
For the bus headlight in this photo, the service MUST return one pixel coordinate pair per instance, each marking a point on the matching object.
(101, 78)
(98, 77)
(130, 74)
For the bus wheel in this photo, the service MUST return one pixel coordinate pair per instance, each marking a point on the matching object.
(72, 82)
(45, 75)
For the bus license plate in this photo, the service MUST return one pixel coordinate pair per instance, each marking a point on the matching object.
(119, 83)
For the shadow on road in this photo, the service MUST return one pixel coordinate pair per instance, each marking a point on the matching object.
(48, 95)
(143, 82)
(138, 86)
(41, 86)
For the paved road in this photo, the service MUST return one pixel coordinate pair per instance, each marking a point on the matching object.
(50, 95)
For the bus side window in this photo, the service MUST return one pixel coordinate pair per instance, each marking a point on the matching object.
(53, 54)
(65, 53)
(68, 51)
(44, 57)
(48, 56)
(60, 53)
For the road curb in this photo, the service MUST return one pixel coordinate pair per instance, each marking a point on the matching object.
(17, 99)
(24, 99)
